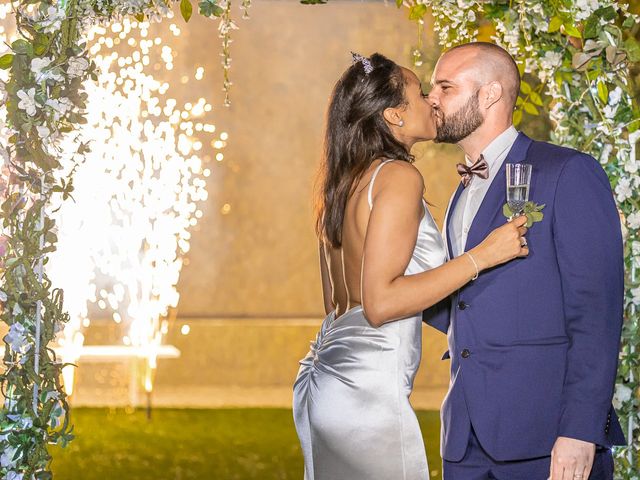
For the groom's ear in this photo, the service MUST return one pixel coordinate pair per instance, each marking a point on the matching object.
(493, 92)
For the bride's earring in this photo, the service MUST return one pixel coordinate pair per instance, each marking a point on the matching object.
(401, 123)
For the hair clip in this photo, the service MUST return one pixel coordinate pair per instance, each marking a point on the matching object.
(366, 63)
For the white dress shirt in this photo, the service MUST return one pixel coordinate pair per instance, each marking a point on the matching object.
(471, 197)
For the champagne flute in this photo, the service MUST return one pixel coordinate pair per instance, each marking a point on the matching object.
(518, 183)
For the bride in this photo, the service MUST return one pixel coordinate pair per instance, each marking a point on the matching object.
(382, 262)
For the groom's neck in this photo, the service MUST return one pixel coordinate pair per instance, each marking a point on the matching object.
(474, 144)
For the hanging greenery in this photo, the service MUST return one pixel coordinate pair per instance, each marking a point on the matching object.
(574, 57)
(42, 101)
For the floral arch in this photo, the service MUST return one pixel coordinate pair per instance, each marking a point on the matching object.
(574, 56)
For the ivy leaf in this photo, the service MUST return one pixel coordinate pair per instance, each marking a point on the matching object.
(22, 46)
(536, 99)
(506, 210)
(6, 61)
(517, 117)
(186, 9)
(525, 87)
(554, 24)
(572, 31)
(416, 12)
(629, 22)
(398, 3)
(41, 44)
(209, 8)
(607, 13)
(632, 47)
(603, 91)
(531, 109)
(580, 61)
(591, 27)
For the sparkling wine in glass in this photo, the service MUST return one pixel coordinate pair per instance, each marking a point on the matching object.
(518, 183)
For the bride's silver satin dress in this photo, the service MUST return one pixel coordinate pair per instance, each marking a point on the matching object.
(351, 396)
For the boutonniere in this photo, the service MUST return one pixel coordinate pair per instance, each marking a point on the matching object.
(532, 210)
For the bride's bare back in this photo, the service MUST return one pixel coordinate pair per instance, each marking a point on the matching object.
(342, 267)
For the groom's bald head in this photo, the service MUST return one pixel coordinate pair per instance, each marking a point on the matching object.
(488, 63)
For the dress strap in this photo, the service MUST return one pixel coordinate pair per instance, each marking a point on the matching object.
(373, 177)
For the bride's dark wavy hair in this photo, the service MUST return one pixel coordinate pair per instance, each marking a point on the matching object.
(356, 135)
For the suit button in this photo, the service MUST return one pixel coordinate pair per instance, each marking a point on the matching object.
(462, 305)
(466, 353)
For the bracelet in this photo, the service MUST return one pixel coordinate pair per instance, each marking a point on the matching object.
(474, 264)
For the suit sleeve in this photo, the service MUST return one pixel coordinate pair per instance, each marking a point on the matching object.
(589, 249)
(438, 315)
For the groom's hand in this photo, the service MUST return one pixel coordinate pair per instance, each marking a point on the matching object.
(571, 459)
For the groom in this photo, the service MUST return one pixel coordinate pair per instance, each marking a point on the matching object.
(533, 343)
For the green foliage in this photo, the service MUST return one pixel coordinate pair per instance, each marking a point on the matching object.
(532, 210)
(575, 67)
(210, 8)
(186, 9)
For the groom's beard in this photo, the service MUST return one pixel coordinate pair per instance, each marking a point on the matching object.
(461, 124)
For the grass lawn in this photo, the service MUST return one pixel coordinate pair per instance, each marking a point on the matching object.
(181, 444)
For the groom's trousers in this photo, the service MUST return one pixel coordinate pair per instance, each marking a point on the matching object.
(478, 465)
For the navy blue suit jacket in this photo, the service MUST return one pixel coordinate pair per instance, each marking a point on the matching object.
(534, 343)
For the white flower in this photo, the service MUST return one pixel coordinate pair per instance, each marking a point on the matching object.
(27, 101)
(3, 92)
(53, 19)
(609, 111)
(633, 220)
(615, 95)
(551, 59)
(21, 422)
(77, 66)
(52, 394)
(17, 338)
(584, 8)
(3, 296)
(226, 26)
(11, 475)
(43, 131)
(624, 190)
(60, 105)
(39, 66)
(621, 395)
(606, 152)
(636, 295)
(631, 165)
(6, 459)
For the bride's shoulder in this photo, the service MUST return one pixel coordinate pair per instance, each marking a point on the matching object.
(401, 174)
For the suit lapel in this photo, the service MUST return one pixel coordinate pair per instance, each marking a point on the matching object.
(447, 218)
(496, 196)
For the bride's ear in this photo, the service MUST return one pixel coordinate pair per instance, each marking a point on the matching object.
(392, 116)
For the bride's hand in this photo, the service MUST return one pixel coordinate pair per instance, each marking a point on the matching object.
(503, 244)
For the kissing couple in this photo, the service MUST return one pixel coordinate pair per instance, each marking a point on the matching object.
(532, 311)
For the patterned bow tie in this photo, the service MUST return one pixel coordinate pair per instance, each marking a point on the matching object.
(480, 168)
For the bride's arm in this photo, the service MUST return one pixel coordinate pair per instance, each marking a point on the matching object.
(327, 288)
(387, 294)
